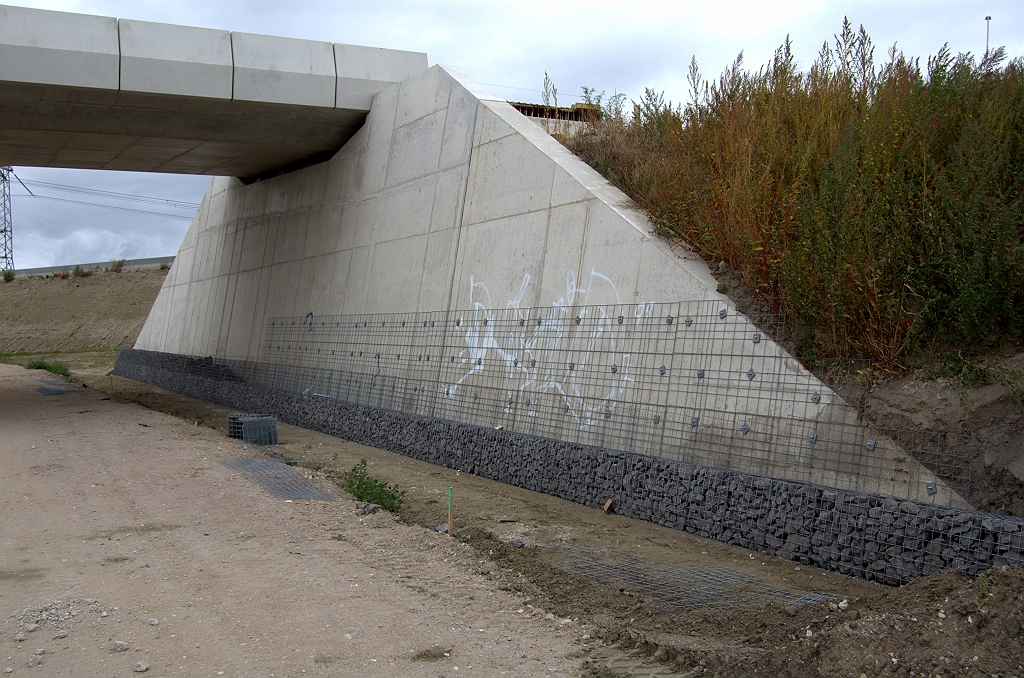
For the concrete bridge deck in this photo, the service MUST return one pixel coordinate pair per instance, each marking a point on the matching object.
(96, 92)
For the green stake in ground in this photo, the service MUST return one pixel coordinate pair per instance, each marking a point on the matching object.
(451, 525)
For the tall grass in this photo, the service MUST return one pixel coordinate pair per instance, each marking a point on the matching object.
(878, 206)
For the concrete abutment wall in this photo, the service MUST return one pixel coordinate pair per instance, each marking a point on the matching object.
(451, 227)
(448, 198)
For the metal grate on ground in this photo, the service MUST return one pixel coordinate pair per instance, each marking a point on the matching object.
(718, 588)
(278, 479)
(51, 387)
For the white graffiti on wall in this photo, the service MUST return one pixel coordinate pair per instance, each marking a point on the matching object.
(594, 373)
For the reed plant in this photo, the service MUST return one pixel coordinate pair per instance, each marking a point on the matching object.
(876, 205)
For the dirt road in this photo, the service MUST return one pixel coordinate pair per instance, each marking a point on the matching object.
(125, 519)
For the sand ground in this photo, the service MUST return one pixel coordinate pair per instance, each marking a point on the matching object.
(126, 516)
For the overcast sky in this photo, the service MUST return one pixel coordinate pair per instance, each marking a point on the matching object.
(613, 46)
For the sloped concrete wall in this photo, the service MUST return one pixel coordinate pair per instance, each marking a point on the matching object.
(449, 199)
(446, 198)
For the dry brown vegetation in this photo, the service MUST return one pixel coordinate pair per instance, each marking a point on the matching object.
(877, 207)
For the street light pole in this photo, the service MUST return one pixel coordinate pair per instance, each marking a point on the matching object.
(988, 19)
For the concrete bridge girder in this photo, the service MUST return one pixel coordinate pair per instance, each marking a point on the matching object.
(102, 93)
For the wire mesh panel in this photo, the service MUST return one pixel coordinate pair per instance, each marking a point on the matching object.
(278, 479)
(695, 382)
(717, 588)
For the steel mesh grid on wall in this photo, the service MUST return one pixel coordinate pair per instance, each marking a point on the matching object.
(689, 381)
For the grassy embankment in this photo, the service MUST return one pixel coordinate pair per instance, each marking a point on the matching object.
(877, 207)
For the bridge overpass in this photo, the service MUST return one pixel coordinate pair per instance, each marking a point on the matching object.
(93, 92)
(410, 262)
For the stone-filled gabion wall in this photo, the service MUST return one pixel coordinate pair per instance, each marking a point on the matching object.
(873, 537)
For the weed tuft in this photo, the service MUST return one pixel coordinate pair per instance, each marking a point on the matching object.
(964, 374)
(64, 275)
(8, 275)
(59, 369)
(164, 267)
(365, 487)
(116, 265)
(80, 272)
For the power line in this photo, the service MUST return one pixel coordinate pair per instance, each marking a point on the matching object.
(109, 207)
(99, 193)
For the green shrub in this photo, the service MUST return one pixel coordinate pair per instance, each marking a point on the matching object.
(878, 208)
(8, 275)
(80, 272)
(164, 266)
(55, 367)
(116, 265)
(367, 488)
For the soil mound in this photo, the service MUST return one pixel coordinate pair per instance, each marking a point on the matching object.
(101, 311)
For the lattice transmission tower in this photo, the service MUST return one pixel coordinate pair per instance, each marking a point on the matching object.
(6, 235)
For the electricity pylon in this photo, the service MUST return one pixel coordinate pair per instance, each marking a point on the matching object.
(6, 235)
